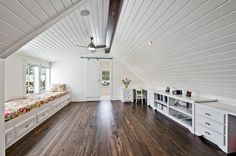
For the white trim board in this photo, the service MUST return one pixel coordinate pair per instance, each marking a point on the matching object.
(2, 123)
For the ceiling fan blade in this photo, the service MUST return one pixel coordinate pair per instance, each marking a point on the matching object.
(100, 46)
(81, 46)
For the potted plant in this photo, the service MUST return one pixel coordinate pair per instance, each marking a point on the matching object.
(126, 82)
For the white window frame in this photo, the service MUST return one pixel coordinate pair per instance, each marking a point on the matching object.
(37, 78)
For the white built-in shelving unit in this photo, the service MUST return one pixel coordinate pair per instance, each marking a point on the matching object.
(204, 117)
(177, 107)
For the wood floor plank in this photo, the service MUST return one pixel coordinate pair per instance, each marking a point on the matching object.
(111, 129)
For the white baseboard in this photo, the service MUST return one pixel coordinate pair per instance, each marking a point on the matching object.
(115, 98)
(84, 99)
(78, 99)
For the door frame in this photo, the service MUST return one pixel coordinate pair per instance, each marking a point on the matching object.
(111, 76)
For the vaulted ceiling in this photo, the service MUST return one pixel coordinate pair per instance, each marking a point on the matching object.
(193, 42)
(18, 18)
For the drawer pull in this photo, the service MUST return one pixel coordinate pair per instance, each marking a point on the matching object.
(207, 133)
(207, 114)
(207, 123)
(26, 126)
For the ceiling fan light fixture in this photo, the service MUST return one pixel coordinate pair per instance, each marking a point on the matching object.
(91, 47)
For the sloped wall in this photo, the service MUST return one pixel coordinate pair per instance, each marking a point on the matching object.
(193, 45)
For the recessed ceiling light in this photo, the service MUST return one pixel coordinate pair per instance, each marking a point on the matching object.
(150, 43)
(84, 13)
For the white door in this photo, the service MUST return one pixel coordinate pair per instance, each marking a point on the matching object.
(93, 79)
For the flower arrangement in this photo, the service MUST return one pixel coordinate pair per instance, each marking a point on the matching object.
(126, 82)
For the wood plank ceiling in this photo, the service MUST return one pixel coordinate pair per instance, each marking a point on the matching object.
(193, 43)
(18, 18)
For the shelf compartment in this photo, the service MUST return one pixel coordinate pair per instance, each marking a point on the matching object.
(183, 118)
(161, 102)
(181, 106)
(161, 107)
(161, 98)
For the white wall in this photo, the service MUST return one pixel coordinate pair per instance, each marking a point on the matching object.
(120, 71)
(73, 73)
(2, 123)
(15, 75)
(14, 78)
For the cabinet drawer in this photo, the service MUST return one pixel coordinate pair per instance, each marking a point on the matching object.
(25, 126)
(57, 106)
(43, 115)
(209, 113)
(9, 136)
(210, 135)
(210, 124)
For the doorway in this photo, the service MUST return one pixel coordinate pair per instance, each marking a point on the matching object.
(105, 79)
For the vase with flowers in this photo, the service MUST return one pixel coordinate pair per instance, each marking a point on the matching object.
(126, 82)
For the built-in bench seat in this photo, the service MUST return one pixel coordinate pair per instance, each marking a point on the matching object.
(23, 115)
(19, 107)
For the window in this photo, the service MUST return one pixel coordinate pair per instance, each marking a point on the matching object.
(105, 78)
(44, 79)
(29, 79)
(37, 79)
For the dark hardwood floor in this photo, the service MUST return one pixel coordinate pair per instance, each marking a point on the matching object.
(110, 129)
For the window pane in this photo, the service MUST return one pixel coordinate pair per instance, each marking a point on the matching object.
(29, 79)
(47, 80)
(43, 79)
(36, 79)
(105, 78)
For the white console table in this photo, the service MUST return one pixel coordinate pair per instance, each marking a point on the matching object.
(204, 117)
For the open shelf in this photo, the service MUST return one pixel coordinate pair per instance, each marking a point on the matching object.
(183, 118)
(183, 110)
(161, 107)
(161, 99)
(178, 109)
(163, 103)
(181, 106)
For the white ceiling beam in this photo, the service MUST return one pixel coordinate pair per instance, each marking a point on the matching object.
(41, 29)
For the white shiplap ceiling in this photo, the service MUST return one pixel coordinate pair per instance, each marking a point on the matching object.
(193, 43)
(18, 18)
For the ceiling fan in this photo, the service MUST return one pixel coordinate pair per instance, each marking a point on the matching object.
(91, 47)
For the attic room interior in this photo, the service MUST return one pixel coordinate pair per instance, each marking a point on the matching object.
(117, 77)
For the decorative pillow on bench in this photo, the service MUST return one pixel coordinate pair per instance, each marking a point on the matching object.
(59, 88)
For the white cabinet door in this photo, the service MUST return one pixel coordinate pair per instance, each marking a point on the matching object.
(93, 81)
